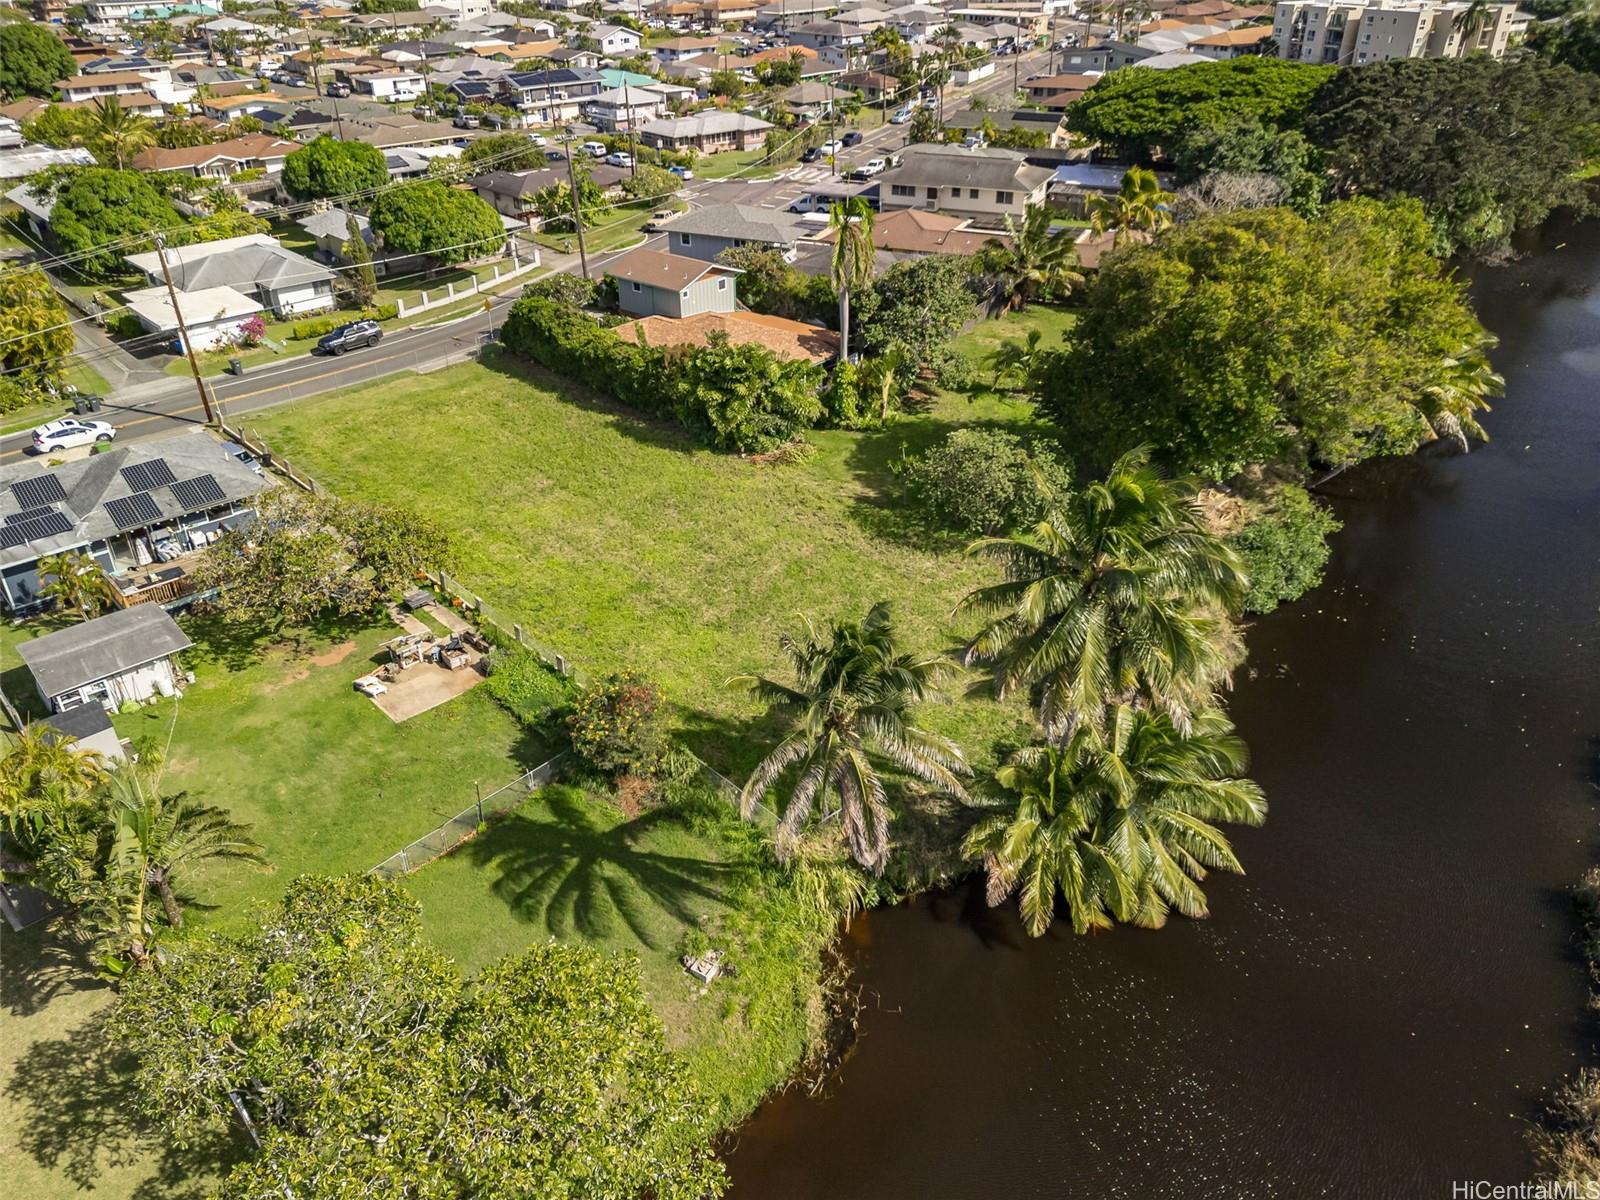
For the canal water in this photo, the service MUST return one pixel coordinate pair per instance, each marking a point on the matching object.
(1376, 1009)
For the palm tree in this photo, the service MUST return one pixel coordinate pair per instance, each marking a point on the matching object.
(118, 134)
(1465, 382)
(1119, 596)
(1016, 356)
(76, 582)
(881, 373)
(1121, 823)
(1138, 204)
(1473, 19)
(850, 700)
(851, 224)
(44, 777)
(1031, 262)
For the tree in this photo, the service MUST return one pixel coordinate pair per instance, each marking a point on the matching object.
(850, 267)
(617, 725)
(1284, 547)
(59, 126)
(445, 224)
(363, 279)
(504, 152)
(1140, 112)
(387, 6)
(850, 719)
(329, 168)
(1573, 41)
(546, 1075)
(725, 83)
(986, 481)
(1256, 336)
(77, 583)
(1120, 823)
(651, 184)
(32, 61)
(1472, 20)
(1139, 203)
(1460, 389)
(35, 329)
(1247, 147)
(45, 783)
(744, 397)
(102, 215)
(181, 134)
(924, 127)
(1119, 595)
(1488, 146)
(769, 284)
(1031, 262)
(921, 304)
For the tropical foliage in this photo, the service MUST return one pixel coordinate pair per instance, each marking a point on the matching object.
(1138, 203)
(1284, 547)
(1030, 263)
(445, 224)
(850, 266)
(101, 215)
(35, 331)
(849, 708)
(75, 582)
(32, 60)
(118, 133)
(986, 481)
(328, 167)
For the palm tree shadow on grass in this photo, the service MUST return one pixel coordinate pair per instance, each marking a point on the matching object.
(581, 874)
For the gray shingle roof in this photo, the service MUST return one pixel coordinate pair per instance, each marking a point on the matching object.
(702, 124)
(931, 165)
(745, 222)
(102, 648)
(255, 259)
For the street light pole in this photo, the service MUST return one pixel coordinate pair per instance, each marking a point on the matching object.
(183, 331)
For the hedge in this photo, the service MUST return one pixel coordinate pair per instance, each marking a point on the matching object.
(569, 343)
(315, 327)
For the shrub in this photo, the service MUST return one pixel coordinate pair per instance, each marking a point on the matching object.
(13, 396)
(315, 327)
(983, 481)
(1284, 548)
(124, 325)
(744, 398)
(617, 725)
(253, 330)
(571, 290)
(527, 688)
(570, 344)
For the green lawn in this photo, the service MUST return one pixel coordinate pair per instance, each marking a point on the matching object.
(729, 162)
(621, 542)
(622, 226)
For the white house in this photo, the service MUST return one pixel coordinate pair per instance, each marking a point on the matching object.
(618, 41)
(123, 657)
(211, 315)
(254, 264)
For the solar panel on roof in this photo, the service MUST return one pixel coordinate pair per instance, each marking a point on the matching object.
(38, 490)
(202, 491)
(143, 476)
(34, 528)
(130, 512)
(28, 514)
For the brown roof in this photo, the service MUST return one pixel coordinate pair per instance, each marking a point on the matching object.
(788, 339)
(687, 43)
(528, 49)
(251, 145)
(123, 99)
(21, 110)
(1092, 247)
(777, 53)
(113, 78)
(1247, 35)
(663, 270)
(223, 103)
(919, 231)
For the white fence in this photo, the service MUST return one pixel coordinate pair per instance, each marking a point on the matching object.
(452, 293)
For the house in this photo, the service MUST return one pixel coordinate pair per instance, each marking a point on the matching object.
(88, 730)
(254, 264)
(1091, 247)
(684, 47)
(1103, 57)
(983, 184)
(511, 193)
(785, 338)
(330, 229)
(1047, 123)
(651, 284)
(1236, 43)
(624, 108)
(124, 657)
(142, 505)
(108, 83)
(616, 41)
(219, 160)
(212, 316)
(28, 160)
(819, 35)
(400, 84)
(1171, 60)
(704, 233)
(916, 232)
(1073, 185)
(138, 104)
(227, 108)
(707, 132)
(576, 58)
(810, 101)
(525, 52)
(553, 97)
(872, 86)
(1058, 91)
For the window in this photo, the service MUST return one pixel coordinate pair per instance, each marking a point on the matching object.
(933, 193)
(683, 239)
(722, 285)
(972, 193)
(900, 189)
(1004, 197)
(634, 285)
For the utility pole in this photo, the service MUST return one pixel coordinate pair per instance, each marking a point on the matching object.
(633, 138)
(183, 331)
(577, 210)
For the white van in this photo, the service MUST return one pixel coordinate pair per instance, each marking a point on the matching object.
(595, 149)
(807, 204)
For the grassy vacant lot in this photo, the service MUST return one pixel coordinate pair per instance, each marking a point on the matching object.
(620, 542)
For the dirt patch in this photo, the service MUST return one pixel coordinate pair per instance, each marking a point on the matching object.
(333, 655)
(294, 676)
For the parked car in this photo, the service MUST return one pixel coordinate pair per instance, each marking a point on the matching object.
(347, 337)
(902, 116)
(337, 90)
(873, 166)
(422, 112)
(830, 147)
(69, 432)
(538, 139)
(973, 141)
(811, 155)
(806, 203)
(853, 138)
(555, 156)
(619, 158)
(466, 121)
(658, 219)
(267, 69)
(595, 149)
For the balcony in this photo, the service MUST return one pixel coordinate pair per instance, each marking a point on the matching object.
(158, 583)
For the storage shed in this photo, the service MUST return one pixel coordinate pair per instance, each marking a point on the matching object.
(122, 656)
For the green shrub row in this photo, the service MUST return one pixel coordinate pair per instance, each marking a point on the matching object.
(528, 689)
(315, 327)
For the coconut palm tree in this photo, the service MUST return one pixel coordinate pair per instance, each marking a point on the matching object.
(850, 703)
(118, 134)
(1120, 595)
(1461, 390)
(851, 267)
(1138, 204)
(1473, 19)
(44, 778)
(1120, 822)
(1016, 356)
(1031, 262)
(76, 583)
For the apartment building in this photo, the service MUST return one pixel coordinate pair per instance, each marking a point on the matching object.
(1356, 32)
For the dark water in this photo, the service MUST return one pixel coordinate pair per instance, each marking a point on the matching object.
(1376, 1009)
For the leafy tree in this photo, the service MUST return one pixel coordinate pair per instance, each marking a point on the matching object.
(504, 152)
(617, 725)
(35, 329)
(921, 304)
(924, 127)
(850, 710)
(986, 481)
(102, 215)
(387, 6)
(1119, 595)
(725, 83)
(59, 126)
(1256, 336)
(1120, 823)
(1018, 358)
(1488, 146)
(547, 1075)
(1284, 548)
(745, 397)
(32, 61)
(1139, 203)
(1031, 262)
(1573, 41)
(445, 224)
(181, 134)
(363, 279)
(1246, 146)
(850, 266)
(1142, 111)
(651, 184)
(45, 785)
(1461, 389)
(769, 284)
(76, 583)
(329, 167)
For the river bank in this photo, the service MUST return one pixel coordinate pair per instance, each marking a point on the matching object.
(1381, 1005)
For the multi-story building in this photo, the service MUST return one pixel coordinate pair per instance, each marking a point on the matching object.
(1356, 32)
